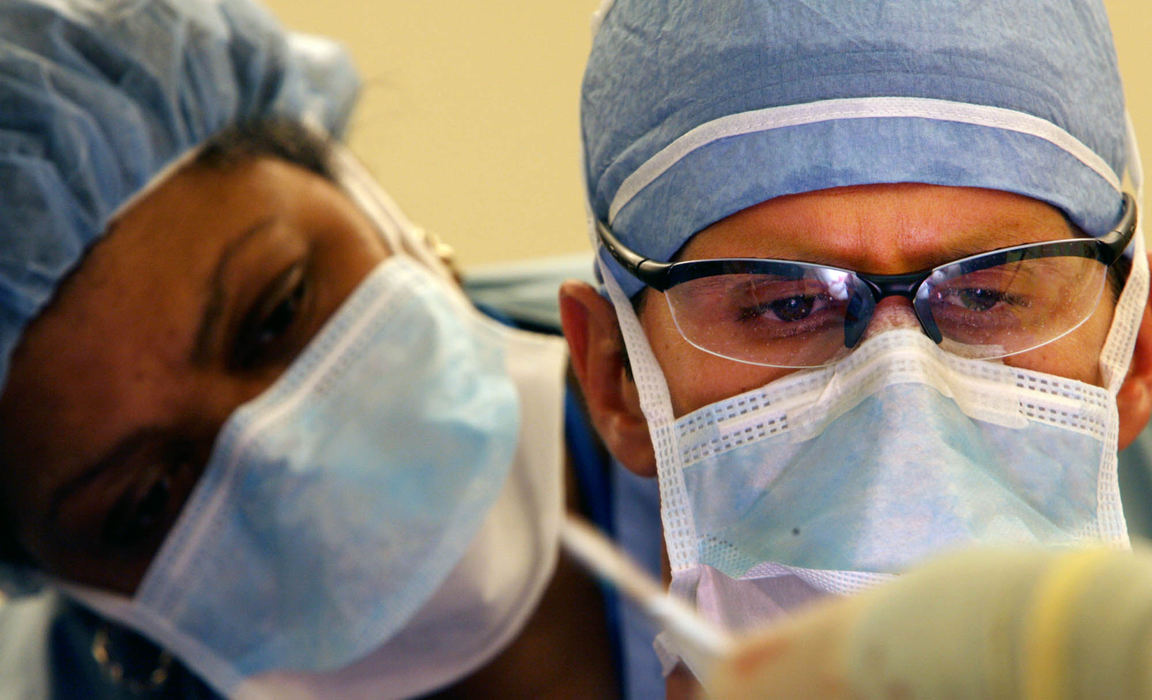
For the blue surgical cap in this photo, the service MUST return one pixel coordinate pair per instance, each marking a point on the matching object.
(695, 109)
(97, 97)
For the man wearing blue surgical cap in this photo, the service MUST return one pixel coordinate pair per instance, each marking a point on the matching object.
(255, 441)
(874, 287)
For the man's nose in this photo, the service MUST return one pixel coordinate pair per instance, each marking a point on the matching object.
(891, 313)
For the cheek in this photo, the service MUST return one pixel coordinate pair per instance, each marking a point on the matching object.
(696, 378)
(1076, 355)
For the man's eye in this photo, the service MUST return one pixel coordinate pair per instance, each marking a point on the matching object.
(789, 309)
(794, 308)
(273, 317)
(979, 299)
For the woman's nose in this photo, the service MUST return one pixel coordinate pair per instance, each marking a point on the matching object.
(216, 395)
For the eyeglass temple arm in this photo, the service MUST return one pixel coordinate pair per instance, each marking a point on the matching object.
(1117, 240)
(651, 272)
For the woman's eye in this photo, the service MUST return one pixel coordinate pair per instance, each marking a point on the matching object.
(150, 502)
(280, 319)
(271, 319)
(138, 515)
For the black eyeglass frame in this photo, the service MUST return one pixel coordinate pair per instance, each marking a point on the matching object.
(662, 276)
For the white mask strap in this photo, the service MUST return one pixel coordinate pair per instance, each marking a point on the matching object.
(402, 236)
(1116, 355)
(599, 14)
(656, 402)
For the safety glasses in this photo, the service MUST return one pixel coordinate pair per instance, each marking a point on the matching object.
(782, 313)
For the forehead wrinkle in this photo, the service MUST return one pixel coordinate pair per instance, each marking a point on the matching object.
(881, 229)
(973, 241)
(903, 242)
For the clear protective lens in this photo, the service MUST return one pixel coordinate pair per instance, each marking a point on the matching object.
(775, 320)
(797, 318)
(1006, 309)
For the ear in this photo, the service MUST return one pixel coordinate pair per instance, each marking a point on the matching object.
(1135, 396)
(600, 364)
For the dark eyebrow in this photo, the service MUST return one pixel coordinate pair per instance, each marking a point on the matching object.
(987, 241)
(213, 311)
(135, 441)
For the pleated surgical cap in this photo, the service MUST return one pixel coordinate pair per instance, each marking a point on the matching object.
(97, 97)
(692, 110)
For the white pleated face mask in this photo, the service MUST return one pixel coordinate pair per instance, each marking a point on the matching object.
(830, 480)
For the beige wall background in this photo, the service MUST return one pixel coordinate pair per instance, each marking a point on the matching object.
(469, 114)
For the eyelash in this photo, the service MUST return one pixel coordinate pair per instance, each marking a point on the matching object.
(143, 511)
(138, 513)
(273, 317)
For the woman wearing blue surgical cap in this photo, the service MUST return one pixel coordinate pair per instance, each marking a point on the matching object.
(879, 286)
(251, 428)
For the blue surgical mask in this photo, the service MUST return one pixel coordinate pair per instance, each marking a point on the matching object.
(336, 503)
(826, 481)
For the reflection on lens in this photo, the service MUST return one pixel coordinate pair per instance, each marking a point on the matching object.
(778, 320)
(1007, 309)
(796, 317)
